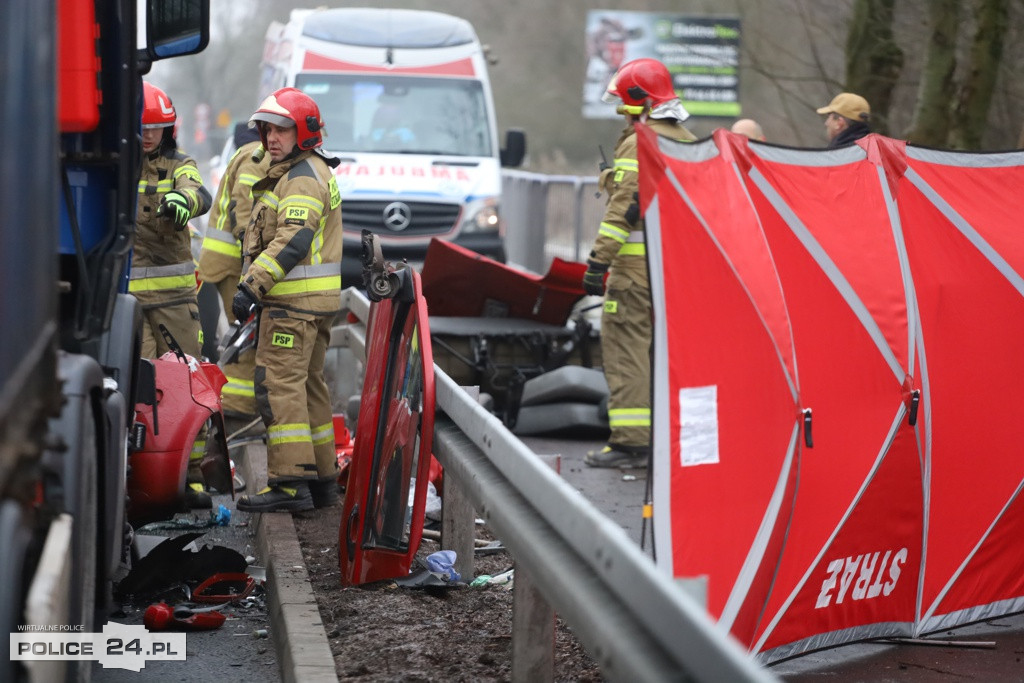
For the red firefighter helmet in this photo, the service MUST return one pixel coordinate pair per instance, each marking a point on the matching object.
(291, 107)
(639, 82)
(157, 108)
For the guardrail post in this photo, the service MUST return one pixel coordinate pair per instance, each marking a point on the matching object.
(533, 623)
(458, 517)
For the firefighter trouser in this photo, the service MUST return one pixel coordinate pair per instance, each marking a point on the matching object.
(237, 396)
(292, 395)
(181, 320)
(625, 352)
(227, 288)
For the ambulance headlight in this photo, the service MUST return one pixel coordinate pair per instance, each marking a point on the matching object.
(482, 216)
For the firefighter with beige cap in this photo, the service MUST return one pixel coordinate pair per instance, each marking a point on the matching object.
(846, 119)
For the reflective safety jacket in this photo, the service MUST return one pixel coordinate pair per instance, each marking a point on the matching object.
(221, 256)
(621, 243)
(163, 272)
(292, 245)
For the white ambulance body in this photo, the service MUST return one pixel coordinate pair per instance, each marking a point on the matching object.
(408, 110)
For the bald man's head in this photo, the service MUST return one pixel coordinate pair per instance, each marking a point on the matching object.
(750, 128)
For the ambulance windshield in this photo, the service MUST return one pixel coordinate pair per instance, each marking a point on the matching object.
(399, 114)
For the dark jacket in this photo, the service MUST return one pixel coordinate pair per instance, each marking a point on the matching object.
(855, 131)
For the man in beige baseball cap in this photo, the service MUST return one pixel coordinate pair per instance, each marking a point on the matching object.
(846, 119)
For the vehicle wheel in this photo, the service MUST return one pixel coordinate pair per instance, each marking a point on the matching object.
(81, 501)
(15, 535)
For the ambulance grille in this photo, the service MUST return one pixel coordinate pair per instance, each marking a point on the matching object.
(424, 218)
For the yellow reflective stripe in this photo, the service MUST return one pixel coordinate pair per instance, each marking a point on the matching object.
(302, 200)
(248, 179)
(155, 283)
(221, 235)
(191, 194)
(215, 245)
(190, 172)
(627, 164)
(143, 272)
(633, 249)
(237, 386)
(151, 278)
(318, 242)
(614, 232)
(629, 417)
(321, 270)
(323, 434)
(234, 251)
(288, 433)
(305, 285)
(165, 185)
(267, 197)
(270, 265)
(198, 448)
(222, 206)
(634, 109)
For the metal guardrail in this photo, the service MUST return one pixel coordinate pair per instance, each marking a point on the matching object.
(548, 216)
(635, 621)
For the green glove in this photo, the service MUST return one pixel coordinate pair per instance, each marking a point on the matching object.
(174, 206)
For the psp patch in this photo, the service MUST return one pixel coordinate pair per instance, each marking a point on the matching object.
(283, 340)
(299, 213)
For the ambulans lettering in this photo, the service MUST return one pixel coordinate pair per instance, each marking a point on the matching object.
(434, 172)
(861, 576)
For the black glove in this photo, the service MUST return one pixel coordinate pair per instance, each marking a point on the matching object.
(593, 279)
(633, 210)
(632, 213)
(241, 305)
(174, 207)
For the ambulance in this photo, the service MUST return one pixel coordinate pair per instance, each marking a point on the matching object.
(408, 110)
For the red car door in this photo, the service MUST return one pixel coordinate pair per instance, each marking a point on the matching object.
(382, 519)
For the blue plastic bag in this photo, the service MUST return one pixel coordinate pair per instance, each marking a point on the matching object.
(443, 562)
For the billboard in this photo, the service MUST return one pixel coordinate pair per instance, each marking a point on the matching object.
(701, 53)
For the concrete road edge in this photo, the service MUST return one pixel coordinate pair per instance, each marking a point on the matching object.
(297, 630)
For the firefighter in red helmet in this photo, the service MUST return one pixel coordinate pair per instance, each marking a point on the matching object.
(220, 266)
(291, 271)
(643, 89)
(162, 275)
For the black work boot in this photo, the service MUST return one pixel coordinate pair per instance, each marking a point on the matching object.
(196, 497)
(614, 455)
(293, 497)
(324, 492)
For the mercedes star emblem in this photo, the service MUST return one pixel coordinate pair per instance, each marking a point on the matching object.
(397, 215)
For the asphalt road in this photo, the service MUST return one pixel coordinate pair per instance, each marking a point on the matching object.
(229, 653)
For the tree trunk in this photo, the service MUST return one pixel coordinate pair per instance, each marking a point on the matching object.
(934, 109)
(975, 95)
(873, 59)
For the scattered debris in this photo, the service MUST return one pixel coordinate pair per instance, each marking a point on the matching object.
(173, 563)
(220, 517)
(504, 579)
